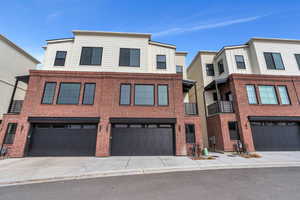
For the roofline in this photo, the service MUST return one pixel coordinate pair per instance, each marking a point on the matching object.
(147, 35)
(19, 49)
(231, 47)
(184, 53)
(52, 41)
(273, 40)
(162, 44)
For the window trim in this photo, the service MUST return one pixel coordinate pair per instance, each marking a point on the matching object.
(221, 61)
(213, 69)
(130, 94)
(279, 95)
(236, 62)
(167, 95)
(298, 62)
(185, 127)
(276, 94)
(154, 97)
(161, 62)
(45, 91)
(6, 134)
(82, 102)
(59, 93)
(56, 56)
(255, 92)
(274, 60)
(129, 57)
(80, 64)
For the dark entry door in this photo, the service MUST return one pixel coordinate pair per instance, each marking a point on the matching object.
(63, 140)
(142, 141)
(276, 136)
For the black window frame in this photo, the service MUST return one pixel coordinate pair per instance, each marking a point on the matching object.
(10, 137)
(56, 59)
(236, 135)
(297, 57)
(255, 93)
(167, 94)
(92, 48)
(57, 99)
(215, 96)
(221, 66)
(129, 65)
(159, 62)
(239, 64)
(43, 96)
(130, 93)
(287, 92)
(153, 95)
(190, 139)
(272, 65)
(275, 92)
(83, 94)
(210, 71)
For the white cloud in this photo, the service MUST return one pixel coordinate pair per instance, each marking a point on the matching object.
(54, 15)
(178, 30)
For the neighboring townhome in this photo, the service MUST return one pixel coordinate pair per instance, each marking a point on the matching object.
(250, 93)
(105, 94)
(14, 63)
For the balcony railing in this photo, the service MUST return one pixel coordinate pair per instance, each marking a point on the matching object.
(190, 109)
(16, 106)
(220, 107)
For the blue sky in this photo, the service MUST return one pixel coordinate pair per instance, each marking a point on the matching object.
(192, 25)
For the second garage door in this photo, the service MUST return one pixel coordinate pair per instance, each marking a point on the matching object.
(142, 140)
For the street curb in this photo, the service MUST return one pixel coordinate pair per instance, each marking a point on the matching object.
(127, 172)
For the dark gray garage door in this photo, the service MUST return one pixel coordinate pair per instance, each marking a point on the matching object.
(62, 140)
(276, 136)
(142, 140)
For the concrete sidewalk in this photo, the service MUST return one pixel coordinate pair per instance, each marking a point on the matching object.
(41, 169)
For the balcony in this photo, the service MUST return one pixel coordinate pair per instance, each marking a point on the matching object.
(16, 107)
(190, 109)
(220, 107)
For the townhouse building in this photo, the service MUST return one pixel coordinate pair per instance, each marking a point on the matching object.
(249, 93)
(105, 94)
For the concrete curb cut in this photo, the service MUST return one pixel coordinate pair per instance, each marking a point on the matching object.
(127, 172)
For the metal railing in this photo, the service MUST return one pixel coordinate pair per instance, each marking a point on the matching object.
(190, 109)
(16, 106)
(220, 107)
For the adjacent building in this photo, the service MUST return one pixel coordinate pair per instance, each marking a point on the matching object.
(249, 93)
(105, 94)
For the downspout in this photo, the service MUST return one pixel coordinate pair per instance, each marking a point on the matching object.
(196, 98)
(12, 96)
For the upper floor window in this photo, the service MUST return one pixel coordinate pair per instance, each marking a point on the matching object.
(240, 62)
(210, 70)
(161, 62)
(91, 56)
(179, 69)
(273, 60)
(125, 94)
(284, 96)
(69, 93)
(129, 57)
(144, 95)
(89, 93)
(190, 133)
(49, 92)
(267, 94)
(251, 94)
(10, 133)
(297, 56)
(163, 95)
(221, 66)
(60, 58)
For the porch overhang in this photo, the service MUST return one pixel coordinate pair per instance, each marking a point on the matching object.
(212, 85)
(187, 85)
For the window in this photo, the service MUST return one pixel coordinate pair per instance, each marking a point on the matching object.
(215, 96)
(161, 62)
(10, 133)
(240, 62)
(89, 93)
(60, 58)
(274, 61)
(69, 93)
(163, 95)
(91, 56)
(284, 96)
(144, 95)
(129, 57)
(251, 93)
(190, 133)
(233, 131)
(210, 70)
(125, 94)
(49, 92)
(297, 56)
(221, 66)
(267, 94)
(179, 69)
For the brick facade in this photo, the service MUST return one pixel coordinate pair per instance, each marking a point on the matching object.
(106, 105)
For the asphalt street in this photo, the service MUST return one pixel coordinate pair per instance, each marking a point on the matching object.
(243, 184)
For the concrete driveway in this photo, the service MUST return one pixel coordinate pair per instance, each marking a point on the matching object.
(33, 169)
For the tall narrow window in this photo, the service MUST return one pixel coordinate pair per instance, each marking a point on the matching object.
(210, 70)
(60, 58)
(221, 66)
(129, 57)
(297, 56)
(267, 94)
(284, 96)
(69, 93)
(273, 60)
(233, 131)
(89, 93)
(161, 62)
(125, 94)
(190, 133)
(240, 62)
(251, 94)
(91, 56)
(49, 92)
(163, 95)
(10, 133)
(144, 95)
